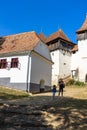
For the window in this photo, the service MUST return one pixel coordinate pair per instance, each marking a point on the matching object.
(3, 63)
(14, 63)
(64, 63)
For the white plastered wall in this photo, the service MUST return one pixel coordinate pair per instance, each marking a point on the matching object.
(41, 69)
(64, 63)
(16, 75)
(43, 50)
(55, 66)
(82, 54)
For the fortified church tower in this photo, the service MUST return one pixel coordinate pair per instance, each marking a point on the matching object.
(61, 52)
(79, 58)
(82, 52)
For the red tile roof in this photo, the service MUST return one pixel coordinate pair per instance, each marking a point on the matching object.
(19, 42)
(59, 34)
(75, 48)
(83, 27)
(42, 37)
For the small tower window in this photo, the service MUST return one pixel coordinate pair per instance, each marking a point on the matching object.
(52, 54)
(64, 63)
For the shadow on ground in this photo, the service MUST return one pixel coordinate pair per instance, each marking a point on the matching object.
(44, 113)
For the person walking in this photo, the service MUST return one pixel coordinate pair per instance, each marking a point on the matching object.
(61, 86)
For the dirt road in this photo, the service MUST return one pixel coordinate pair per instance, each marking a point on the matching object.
(41, 112)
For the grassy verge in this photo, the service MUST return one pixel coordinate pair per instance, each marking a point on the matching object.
(8, 93)
(75, 91)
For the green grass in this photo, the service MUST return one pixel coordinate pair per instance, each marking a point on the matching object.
(75, 82)
(8, 93)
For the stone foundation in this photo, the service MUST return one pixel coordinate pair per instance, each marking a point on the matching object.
(33, 88)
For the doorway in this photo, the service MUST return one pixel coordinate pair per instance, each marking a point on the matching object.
(86, 78)
(42, 85)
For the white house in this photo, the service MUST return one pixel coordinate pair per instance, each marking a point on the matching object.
(25, 62)
(79, 59)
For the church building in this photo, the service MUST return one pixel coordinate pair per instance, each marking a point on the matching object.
(27, 59)
(70, 59)
(61, 49)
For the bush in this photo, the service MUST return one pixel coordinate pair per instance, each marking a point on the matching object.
(79, 83)
(74, 82)
(70, 82)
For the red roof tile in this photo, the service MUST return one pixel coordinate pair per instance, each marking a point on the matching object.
(75, 48)
(83, 27)
(59, 34)
(42, 37)
(19, 42)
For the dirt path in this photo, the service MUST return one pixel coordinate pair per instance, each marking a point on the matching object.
(41, 112)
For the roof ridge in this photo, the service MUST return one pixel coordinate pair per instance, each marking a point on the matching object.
(83, 27)
(18, 34)
(58, 34)
(64, 35)
(42, 37)
(16, 43)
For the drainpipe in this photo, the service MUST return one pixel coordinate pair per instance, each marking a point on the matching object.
(28, 73)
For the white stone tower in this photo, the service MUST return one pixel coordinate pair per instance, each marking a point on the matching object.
(61, 52)
(82, 51)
